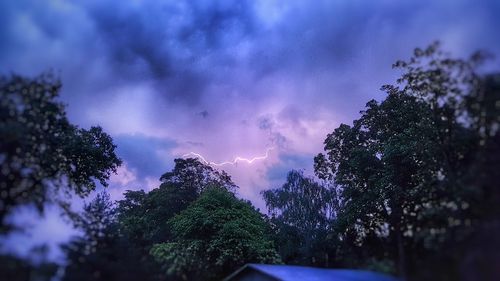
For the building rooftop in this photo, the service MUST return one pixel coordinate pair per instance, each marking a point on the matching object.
(304, 273)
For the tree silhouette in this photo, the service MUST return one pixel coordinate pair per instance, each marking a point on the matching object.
(404, 167)
(214, 236)
(41, 152)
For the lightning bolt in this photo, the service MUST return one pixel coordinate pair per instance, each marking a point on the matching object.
(234, 162)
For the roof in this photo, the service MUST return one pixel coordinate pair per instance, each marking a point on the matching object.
(304, 273)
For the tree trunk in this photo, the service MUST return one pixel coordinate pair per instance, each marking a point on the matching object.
(398, 239)
(401, 256)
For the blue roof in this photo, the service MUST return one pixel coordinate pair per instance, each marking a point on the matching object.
(304, 273)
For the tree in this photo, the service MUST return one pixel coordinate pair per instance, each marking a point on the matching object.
(14, 268)
(116, 241)
(102, 253)
(214, 236)
(385, 165)
(139, 221)
(480, 252)
(41, 151)
(191, 177)
(143, 217)
(301, 212)
(404, 168)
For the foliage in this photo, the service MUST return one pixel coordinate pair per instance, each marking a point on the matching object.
(191, 177)
(41, 151)
(214, 236)
(102, 253)
(301, 212)
(115, 239)
(14, 268)
(143, 216)
(404, 168)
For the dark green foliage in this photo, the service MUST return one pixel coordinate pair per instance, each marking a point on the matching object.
(102, 253)
(34, 267)
(214, 236)
(415, 186)
(301, 212)
(190, 178)
(131, 212)
(143, 216)
(39, 148)
(117, 241)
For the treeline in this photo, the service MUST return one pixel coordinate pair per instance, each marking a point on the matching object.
(192, 227)
(411, 188)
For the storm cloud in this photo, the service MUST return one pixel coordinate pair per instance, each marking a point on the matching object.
(228, 78)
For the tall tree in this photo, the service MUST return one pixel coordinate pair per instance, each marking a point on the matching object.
(144, 216)
(213, 237)
(102, 252)
(14, 268)
(41, 151)
(301, 211)
(191, 177)
(404, 166)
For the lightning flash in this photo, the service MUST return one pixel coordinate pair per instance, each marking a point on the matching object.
(235, 160)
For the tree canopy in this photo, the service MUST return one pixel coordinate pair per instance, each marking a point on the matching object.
(144, 215)
(102, 252)
(405, 166)
(41, 152)
(214, 236)
(301, 212)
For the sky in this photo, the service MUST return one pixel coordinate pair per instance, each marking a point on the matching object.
(225, 78)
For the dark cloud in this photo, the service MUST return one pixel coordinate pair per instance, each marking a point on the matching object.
(283, 73)
(184, 47)
(204, 114)
(195, 53)
(342, 35)
(132, 38)
(289, 162)
(147, 156)
(267, 124)
(194, 143)
(171, 42)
